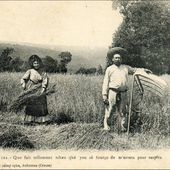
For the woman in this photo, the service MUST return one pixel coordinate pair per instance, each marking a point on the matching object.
(36, 110)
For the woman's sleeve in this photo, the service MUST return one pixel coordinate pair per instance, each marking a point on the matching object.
(45, 81)
(26, 77)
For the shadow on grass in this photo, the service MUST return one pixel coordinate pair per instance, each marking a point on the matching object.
(60, 118)
(3, 105)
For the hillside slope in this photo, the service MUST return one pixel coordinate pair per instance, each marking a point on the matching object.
(81, 56)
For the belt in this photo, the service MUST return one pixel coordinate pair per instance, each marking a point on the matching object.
(118, 95)
(118, 91)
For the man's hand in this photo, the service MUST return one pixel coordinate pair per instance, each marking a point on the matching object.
(105, 100)
(147, 71)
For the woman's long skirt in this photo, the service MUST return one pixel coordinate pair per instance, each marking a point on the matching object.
(36, 110)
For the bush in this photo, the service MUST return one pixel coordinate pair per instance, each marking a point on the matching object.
(86, 71)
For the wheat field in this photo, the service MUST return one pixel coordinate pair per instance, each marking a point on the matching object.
(76, 111)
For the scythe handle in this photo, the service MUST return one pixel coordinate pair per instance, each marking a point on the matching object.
(130, 104)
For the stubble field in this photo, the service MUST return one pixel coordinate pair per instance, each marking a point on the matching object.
(76, 112)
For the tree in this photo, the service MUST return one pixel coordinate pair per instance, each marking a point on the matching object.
(65, 58)
(50, 64)
(144, 32)
(25, 66)
(99, 70)
(16, 64)
(62, 67)
(5, 59)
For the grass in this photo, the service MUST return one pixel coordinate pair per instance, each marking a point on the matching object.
(76, 111)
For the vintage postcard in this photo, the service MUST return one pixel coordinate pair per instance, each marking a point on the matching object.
(84, 84)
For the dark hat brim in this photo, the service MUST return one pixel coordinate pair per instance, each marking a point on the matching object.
(117, 50)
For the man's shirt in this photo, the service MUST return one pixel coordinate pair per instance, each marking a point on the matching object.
(116, 77)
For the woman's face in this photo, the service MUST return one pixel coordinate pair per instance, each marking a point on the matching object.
(36, 65)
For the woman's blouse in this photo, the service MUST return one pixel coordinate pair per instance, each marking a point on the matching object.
(33, 77)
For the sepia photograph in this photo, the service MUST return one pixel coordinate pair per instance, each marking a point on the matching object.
(84, 84)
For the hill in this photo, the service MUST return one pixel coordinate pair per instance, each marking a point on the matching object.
(25, 51)
(81, 56)
(84, 56)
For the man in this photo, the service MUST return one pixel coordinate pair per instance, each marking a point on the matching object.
(115, 87)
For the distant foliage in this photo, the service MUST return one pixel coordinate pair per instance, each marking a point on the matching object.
(16, 64)
(57, 66)
(144, 32)
(25, 66)
(65, 58)
(62, 67)
(99, 70)
(5, 59)
(83, 70)
(50, 64)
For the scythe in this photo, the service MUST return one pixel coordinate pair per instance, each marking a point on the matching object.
(145, 82)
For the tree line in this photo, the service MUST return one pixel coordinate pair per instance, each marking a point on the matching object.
(144, 32)
(51, 65)
(16, 64)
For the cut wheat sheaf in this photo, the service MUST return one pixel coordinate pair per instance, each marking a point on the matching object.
(29, 95)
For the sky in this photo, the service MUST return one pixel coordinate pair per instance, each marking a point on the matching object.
(70, 23)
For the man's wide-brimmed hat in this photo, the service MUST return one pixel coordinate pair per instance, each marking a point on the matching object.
(116, 50)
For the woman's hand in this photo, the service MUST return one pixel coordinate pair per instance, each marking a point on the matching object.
(105, 100)
(42, 90)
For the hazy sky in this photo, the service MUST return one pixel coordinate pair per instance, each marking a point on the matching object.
(89, 23)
